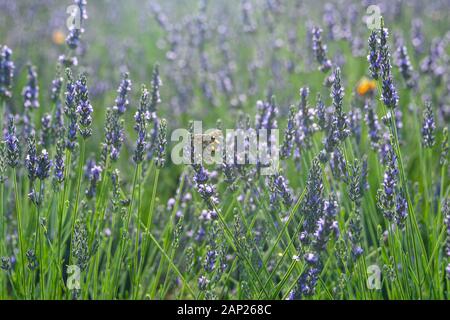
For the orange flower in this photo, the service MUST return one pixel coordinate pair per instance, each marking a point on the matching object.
(58, 37)
(365, 85)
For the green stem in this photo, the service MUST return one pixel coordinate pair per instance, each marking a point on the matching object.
(20, 231)
(61, 209)
(77, 197)
(2, 237)
(125, 229)
(39, 241)
(136, 241)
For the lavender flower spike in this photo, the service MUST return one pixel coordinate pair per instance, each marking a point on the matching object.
(31, 91)
(141, 117)
(84, 108)
(160, 159)
(122, 100)
(6, 72)
(428, 126)
(94, 177)
(374, 58)
(12, 144)
(389, 94)
(320, 50)
(446, 214)
(44, 165)
(71, 111)
(404, 64)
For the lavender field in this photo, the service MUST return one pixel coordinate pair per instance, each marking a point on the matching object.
(238, 149)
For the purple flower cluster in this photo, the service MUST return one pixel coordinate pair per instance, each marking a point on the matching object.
(12, 144)
(446, 214)
(374, 56)
(84, 107)
(44, 165)
(160, 154)
(94, 177)
(389, 94)
(71, 111)
(122, 102)
(6, 72)
(141, 117)
(320, 50)
(386, 199)
(406, 69)
(373, 125)
(31, 91)
(31, 158)
(76, 30)
(114, 123)
(313, 203)
(289, 133)
(428, 126)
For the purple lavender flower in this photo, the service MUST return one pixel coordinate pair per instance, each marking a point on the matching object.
(386, 200)
(331, 140)
(326, 225)
(355, 118)
(94, 178)
(401, 210)
(417, 38)
(141, 117)
(152, 109)
(31, 91)
(304, 121)
(84, 108)
(283, 190)
(160, 156)
(31, 159)
(320, 50)
(203, 283)
(374, 58)
(12, 144)
(373, 125)
(76, 30)
(337, 95)
(266, 116)
(446, 214)
(68, 61)
(289, 132)
(428, 126)
(71, 111)
(307, 282)
(114, 128)
(122, 100)
(155, 96)
(389, 94)
(313, 202)
(6, 72)
(321, 112)
(338, 165)
(210, 260)
(56, 87)
(404, 64)
(59, 162)
(358, 180)
(113, 135)
(44, 165)
(58, 129)
(46, 130)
